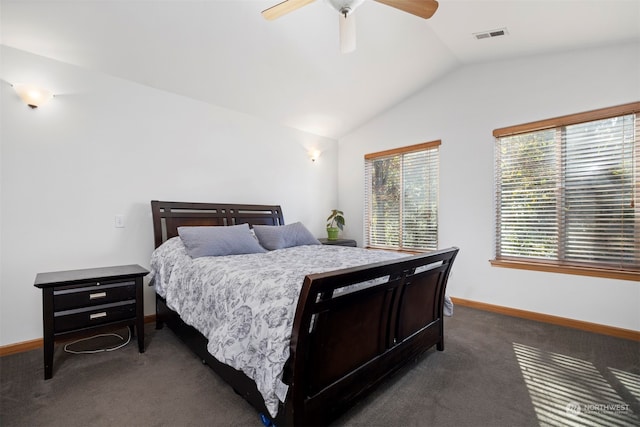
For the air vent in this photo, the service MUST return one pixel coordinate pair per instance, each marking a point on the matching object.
(489, 34)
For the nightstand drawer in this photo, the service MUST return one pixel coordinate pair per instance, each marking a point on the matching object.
(93, 316)
(93, 294)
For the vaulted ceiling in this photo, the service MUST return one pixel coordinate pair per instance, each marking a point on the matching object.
(290, 70)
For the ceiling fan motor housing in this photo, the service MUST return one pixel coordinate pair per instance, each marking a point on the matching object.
(345, 7)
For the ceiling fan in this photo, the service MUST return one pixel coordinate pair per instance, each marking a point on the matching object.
(422, 8)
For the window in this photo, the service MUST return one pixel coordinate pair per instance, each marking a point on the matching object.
(401, 198)
(566, 191)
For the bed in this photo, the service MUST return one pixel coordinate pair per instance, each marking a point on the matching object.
(347, 329)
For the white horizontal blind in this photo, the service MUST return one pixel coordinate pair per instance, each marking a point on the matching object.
(567, 194)
(599, 214)
(382, 202)
(420, 172)
(527, 181)
(401, 200)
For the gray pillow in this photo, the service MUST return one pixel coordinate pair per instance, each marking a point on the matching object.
(284, 236)
(218, 241)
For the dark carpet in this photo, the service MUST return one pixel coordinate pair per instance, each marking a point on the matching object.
(495, 371)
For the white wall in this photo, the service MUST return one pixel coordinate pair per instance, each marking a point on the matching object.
(462, 109)
(104, 146)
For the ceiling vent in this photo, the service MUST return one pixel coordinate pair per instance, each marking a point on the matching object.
(490, 34)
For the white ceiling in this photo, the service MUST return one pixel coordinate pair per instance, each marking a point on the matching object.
(290, 71)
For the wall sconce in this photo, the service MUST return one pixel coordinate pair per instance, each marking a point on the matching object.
(314, 155)
(32, 95)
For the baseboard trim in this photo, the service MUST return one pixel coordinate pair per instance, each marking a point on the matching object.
(8, 349)
(627, 334)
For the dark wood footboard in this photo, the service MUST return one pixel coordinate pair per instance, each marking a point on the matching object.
(345, 343)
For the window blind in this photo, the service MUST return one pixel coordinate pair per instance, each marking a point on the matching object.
(567, 193)
(401, 198)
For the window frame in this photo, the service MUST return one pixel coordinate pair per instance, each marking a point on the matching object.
(389, 153)
(567, 267)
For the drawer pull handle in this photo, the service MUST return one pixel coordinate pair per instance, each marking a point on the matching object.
(97, 295)
(97, 315)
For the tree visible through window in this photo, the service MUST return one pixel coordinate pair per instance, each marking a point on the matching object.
(566, 191)
(401, 198)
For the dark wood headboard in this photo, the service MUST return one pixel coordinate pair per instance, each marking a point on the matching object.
(168, 216)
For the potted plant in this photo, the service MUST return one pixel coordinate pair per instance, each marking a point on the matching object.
(335, 223)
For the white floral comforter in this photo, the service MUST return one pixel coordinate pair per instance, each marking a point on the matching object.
(245, 304)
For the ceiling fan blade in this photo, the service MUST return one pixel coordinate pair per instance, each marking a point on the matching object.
(422, 8)
(347, 33)
(283, 8)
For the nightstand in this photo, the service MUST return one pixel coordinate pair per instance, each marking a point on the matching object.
(338, 242)
(77, 301)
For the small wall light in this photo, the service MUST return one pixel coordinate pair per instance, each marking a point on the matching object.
(32, 95)
(314, 155)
